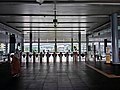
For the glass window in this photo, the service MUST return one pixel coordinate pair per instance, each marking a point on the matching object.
(47, 47)
(35, 47)
(26, 47)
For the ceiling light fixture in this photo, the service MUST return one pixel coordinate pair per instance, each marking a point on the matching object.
(55, 12)
(40, 1)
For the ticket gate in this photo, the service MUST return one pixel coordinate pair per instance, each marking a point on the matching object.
(41, 57)
(36, 54)
(23, 58)
(30, 55)
(71, 54)
(60, 56)
(54, 57)
(23, 55)
(67, 56)
(82, 54)
(48, 56)
(11, 56)
(75, 56)
(27, 57)
(8, 57)
(34, 57)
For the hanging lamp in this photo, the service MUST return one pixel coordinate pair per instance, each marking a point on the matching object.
(40, 1)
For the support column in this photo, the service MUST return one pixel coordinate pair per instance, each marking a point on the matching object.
(94, 52)
(87, 53)
(79, 35)
(114, 32)
(87, 41)
(30, 41)
(6, 43)
(105, 45)
(55, 45)
(92, 49)
(12, 43)
(99, 51)
(6, 47)
(22, 43)
(38, 45)
(55, 40)
(72, 44)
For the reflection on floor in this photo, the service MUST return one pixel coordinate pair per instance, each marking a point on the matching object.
(61, 76)
(51, 59)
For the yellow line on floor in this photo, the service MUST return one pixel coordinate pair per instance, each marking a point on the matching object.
(103, 73)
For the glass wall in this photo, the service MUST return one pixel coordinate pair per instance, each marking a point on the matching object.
(34, 47)
(64, 47)
(83, 47)
(26, 47)
(2, 47)
(47, 47)
(61, 47)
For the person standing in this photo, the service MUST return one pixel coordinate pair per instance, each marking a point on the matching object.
(15, 65)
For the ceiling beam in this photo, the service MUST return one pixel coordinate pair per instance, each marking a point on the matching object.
(45, 41)
(49, 41)
(48, 22)
(11, 27)
(54, 30)
(112, 2)
(81, 15)
(47, 27)
(104, 25)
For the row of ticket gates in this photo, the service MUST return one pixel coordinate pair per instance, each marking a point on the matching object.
(41, 55)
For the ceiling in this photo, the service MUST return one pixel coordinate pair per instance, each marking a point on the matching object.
(72, 16)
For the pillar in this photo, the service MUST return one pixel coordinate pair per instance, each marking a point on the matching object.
(72, 41)
(79, 35)
(6, 47)
(94, 52)
(72, 44)
(30, 41)
(114, 34)
(99, 51)
(6, 43)
(12, 43)
(92, 48)
(87, 53)
(55, 45)
(105, 45)
(38, 45)
(22, 43)
(87, 41)
(55, 40)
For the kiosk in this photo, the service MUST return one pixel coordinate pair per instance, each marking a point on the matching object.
(107, 55)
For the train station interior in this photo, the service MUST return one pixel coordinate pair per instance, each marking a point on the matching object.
(59, 45)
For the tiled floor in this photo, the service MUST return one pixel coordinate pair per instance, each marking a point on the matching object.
(61, 76)
(112, 69)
